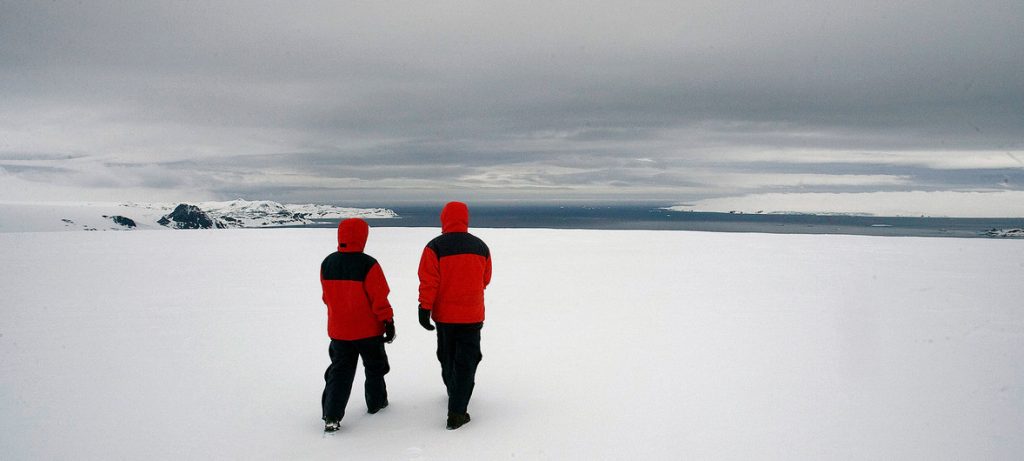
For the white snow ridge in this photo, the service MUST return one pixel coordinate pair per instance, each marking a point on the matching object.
(103, 216)
(265, 213)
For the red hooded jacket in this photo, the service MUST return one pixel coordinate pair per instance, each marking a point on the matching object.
(455, 268)
(354, 288)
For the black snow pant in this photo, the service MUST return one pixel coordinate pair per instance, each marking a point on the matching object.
(341, 372)
(458, 350)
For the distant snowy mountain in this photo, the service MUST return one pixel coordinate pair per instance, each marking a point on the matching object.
(264, 213)
(102, 216)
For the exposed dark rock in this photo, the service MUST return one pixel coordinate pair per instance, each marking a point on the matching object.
(1005, 233)
(123, 221)
(187, 216)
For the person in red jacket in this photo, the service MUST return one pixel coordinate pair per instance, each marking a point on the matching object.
(455, 268)
(359, 321)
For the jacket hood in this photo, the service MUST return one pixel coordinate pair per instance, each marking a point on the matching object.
(352, 234)
(455, 218)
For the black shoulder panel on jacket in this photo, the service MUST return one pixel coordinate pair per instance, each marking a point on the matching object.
(346, 266)
(458, 243)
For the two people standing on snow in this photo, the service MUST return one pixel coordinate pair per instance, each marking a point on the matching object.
(454, 270)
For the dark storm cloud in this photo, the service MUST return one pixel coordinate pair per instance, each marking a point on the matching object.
(655, 96)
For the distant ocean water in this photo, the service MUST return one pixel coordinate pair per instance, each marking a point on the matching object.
(653, 217)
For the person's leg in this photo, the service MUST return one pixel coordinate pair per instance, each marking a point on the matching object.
(375, 365)
(466, 358)
(338, 379)
(446, 354)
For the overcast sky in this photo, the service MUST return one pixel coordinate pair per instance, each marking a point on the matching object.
(358, 102)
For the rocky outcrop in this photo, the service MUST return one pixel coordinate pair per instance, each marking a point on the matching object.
(122, 221)
(187, 216)
(1005, 233)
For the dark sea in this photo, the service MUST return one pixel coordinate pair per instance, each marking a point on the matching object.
(653, 217)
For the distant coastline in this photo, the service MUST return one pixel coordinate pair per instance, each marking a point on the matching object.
(128, 216)
(657, 217)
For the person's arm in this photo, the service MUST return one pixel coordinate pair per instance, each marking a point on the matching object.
(377, 290)
(430, 278)
(487, 271)
(323, 286)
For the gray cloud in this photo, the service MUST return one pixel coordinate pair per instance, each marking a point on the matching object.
(655, 99)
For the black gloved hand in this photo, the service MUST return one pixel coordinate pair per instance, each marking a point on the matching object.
(425, 319)
(389, 331)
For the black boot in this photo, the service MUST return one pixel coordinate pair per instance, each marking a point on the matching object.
(374, 410)
(332, 426)
(457, 420)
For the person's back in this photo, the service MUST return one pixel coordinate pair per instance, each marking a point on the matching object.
(454, 270)
(465, 261)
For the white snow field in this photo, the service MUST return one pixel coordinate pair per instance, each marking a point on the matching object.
(597, 345)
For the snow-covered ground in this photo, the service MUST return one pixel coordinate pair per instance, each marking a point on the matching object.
(598, 345)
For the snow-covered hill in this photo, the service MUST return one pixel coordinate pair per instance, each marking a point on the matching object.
(101, 216)
(264, 213)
